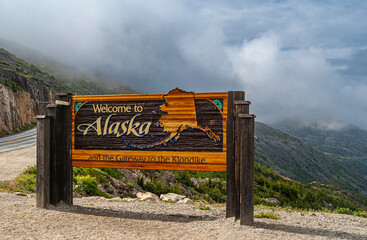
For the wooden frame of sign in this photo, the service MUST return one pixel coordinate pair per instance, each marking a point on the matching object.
(174, 131)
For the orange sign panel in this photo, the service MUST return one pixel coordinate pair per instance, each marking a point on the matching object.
(174, 131)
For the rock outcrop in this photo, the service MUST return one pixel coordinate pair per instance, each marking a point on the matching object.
(24, 92)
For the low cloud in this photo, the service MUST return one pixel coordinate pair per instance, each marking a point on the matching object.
(295, 83)
(294, 60)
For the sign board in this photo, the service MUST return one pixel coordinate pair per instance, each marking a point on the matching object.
(174, 131)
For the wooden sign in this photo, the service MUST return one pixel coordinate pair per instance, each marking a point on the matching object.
(174, 131)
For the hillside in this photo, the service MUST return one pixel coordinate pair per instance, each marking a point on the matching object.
(24, 92)
(330, 136)
(71, 78)
(304, 163)
(25, 89)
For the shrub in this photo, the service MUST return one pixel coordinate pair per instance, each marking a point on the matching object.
(92, 172)
(26, 183)
(87, 183)
(215, 189)
(157, 187)
(344, 211)
(31, 170)
(113, 172)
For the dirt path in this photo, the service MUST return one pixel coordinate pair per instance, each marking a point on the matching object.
(14, 162)
(92, 218)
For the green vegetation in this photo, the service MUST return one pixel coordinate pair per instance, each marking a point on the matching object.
(351, 212)
(60, 78)
(204, 208)
(270, 215)
(86, 179)
(113, 172)
(96, 173)
(345, 141)
(156, 186)
(291, 194)
(9, 83)
(25, 182)
(301, 162)
(215, 190)
(4, 63)
(294, 194)
(25, 127)
(90, 186)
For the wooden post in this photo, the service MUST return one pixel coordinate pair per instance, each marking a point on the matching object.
(241, 107)
(66, 188)
(231, 191)
(54, 197)
(43, 161)
(60, 148)
(247, 122)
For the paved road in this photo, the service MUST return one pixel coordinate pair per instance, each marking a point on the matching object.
(17, 141)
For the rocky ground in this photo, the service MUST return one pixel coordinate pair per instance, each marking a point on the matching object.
(100, 218)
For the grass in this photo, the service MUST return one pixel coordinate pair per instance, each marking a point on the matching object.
(25, 182)
(204, 208)
(25, 127)
(270, 215)
(4, 63)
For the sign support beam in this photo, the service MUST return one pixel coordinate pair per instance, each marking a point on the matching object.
(231, 148)
(247, 122)
(43, 161)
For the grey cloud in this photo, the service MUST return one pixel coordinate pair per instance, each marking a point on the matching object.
(280, 52)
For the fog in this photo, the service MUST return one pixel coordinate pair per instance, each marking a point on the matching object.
(293, 59)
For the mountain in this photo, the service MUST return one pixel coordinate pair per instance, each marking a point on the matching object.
(299, 161)
(330, 136)
(25, 89)
(69, 77)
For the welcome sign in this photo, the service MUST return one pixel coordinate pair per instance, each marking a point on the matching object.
(174, 131)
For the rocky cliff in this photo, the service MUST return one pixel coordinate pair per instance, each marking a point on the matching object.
(16, 109)
(24, 92)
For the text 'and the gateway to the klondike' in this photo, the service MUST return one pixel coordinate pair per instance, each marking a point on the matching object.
(147, 159)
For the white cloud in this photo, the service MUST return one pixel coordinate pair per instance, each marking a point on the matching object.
(297, 83)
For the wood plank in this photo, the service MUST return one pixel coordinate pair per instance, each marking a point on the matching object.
(155, 166)
(66, 186)
(174, 160)
(231, 193)
(247, 169)
(51, 112)
(241, 107)
(146, 97)
(43, 162)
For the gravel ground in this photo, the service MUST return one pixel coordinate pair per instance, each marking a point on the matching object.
(99, 218)
(13, 163)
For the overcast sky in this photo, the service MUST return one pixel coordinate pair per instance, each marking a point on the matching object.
(294, 59)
